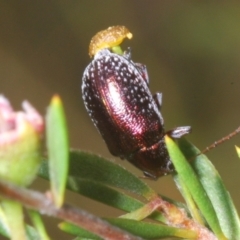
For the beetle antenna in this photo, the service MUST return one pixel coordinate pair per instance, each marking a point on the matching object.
(220, 141)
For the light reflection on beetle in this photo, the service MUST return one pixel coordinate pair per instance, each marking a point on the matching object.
(118, 100)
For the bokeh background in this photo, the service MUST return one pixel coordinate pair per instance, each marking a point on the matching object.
(191, 49)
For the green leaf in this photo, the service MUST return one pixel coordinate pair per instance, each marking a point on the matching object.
(32, 233)
(95, 168)
(106, 195)
(57, 144)
(102, 193)
(92, 167)
(4, 229)
(238, 151)
(151, 230)
(142, 229)
(38, 224)
(14, 214)
(77, 231)
(189, 178)
(192, 207)
(215, 189)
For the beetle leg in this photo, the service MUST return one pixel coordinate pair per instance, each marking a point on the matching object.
(143, 71)
(178, 132)
(149, 176)
(158, 99)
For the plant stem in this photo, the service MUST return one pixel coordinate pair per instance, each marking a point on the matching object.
(41, 203)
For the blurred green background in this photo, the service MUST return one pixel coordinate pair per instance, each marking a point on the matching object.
(191, 49)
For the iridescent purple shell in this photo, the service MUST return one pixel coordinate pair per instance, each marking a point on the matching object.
(117, 98)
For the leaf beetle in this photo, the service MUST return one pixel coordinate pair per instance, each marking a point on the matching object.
(118, 100)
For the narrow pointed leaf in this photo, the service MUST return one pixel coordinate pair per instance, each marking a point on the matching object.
(109, 196)
(38, 224)
(190, 179)
(189, 200)
(145, 210)
(57, 145)
(213, 185)
(98, 169)
(95, 168)
(103, 193)
(145, 230)
(238, 151)
(4, 229)
(32, 233)
(151, 230)
(77, 231)
(14, 213)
